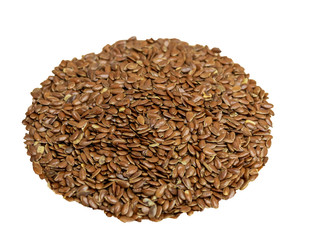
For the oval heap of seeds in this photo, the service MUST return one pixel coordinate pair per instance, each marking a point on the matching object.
(149, 129)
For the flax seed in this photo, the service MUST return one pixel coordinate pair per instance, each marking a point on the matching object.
(149, 129)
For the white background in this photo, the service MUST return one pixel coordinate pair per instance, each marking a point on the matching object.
(276, 41)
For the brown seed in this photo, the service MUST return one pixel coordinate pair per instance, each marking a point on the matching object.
(111, 199)
(132, 169)
(188, 196)
(70, 160)
(132, 66)
(214, 202)
(76, 115)
(140, 119)
(83, 123)
(61, 138)
(153, 211)
(160, 191)
(252, 151)
(37, 168)
(126, 219)
(189, 116)
(208, 151)
(207, 121)
(125, 208)
(185, 209)
(190, 172)
(123, 183)
(82, 174)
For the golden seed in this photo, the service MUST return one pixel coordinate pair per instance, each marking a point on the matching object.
(40, 149)
(66, 97)
(252, 122)
(154, 145)
(245, 81)
(103, 90)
